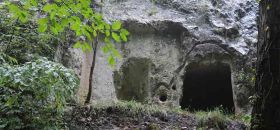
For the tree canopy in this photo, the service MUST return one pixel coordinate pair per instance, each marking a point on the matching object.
(78, 16)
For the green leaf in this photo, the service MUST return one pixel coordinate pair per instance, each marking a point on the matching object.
(100, 27)
(63, 11)
(107, 26)
(116, 53)
(64, 22)
(27, 6)
(116, 25)
(77, 45)
(54, 30)
(11, 100)
(75, 23)
(94, 33)
(107, 33)
(23, 16)
(93, 25)
(107, 40)
(98, 16)
(88, 35)
(48, 8)
(85, 4)
(88, 28)
(116, 37)
(13, 8)
(86, 47)
(124, 31)
(105, 49)
(124, 38)
(42, 24)
(109, 44)
(34, 3)
(75, 26)
(52, 15)
(57, 0)
(87, 12)
(111, 60)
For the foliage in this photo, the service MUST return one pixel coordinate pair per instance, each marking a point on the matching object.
(247, 76)
(219, 118)
(247, 119)
(74, 15)
(213, 119)
(22, 42)
(33, 96)
(4, 58)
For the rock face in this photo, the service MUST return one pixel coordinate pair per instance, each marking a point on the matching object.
(169, 35)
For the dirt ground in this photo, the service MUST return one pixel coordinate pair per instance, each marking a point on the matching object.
(116, 118)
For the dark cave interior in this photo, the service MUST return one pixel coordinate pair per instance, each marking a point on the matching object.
(207, 86)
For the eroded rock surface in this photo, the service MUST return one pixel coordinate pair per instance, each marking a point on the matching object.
(167, 36)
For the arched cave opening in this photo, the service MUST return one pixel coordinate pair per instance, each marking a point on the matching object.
(207, 86)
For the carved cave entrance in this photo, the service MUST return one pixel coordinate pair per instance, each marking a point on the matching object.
(135, 80)
(207, 86)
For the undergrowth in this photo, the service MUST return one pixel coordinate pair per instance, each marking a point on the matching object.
(216, 118)
(34, 95)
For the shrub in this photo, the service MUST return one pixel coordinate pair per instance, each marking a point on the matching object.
(34, 95)
(23, 41)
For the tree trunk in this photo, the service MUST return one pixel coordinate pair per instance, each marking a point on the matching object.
(266, 111)
(95, 45)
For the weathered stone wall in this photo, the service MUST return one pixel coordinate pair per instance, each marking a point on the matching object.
(168, 35)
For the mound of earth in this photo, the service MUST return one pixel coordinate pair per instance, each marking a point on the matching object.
(129, 116)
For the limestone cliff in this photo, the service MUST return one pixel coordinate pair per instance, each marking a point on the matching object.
(170, 38)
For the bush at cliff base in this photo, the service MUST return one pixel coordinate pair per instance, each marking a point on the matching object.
(34, 95)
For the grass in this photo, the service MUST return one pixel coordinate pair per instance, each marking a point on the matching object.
(134, 107)
(216, 118)
(139, 108)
